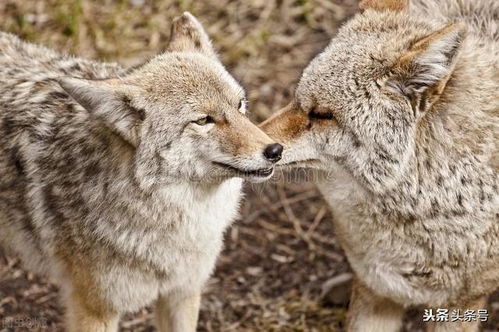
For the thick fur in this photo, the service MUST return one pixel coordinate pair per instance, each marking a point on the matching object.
(111, 181)
(400, 115)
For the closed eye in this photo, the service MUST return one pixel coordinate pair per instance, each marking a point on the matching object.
(314, 114)
(204, 120)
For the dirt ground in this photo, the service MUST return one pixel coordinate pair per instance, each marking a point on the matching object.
(282, 269)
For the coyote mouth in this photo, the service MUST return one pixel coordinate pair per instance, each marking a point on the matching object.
(261, 172)
(301, 163)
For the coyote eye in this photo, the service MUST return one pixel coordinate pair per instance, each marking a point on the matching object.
(204, 121)
(314, 114)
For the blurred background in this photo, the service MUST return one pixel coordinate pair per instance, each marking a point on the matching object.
(282, 269)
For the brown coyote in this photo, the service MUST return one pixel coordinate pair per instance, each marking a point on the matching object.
(119, 183)
(399, 116)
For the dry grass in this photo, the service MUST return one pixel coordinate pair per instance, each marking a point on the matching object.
(281, 251)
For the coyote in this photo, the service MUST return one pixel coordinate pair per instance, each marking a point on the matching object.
(399, 116)
(119, 183)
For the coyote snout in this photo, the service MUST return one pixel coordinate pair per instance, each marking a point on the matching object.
(291, 126)
(240, 148)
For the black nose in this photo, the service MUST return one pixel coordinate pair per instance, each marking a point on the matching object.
(273, 152)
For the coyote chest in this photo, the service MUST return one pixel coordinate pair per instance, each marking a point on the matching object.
(199, 238)
(376, 257)
(180, 256)
(411, 261)
(207, 212)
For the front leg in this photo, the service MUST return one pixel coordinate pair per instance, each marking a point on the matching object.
(86, 313)
(370, 313)
(178, 312)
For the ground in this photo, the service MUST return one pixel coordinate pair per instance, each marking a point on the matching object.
(281, 258)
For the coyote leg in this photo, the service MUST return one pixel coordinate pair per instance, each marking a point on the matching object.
(369, 312)
(177, 313)
(82, 316)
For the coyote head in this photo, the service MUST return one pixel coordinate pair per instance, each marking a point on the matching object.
(182, 112)
(359, 103)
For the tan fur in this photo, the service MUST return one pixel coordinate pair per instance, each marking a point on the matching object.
(399, 117)
(372, 313)
(288, 122)
(380, 5)
(239, 136)
(83, 314)
(185, 36)
(175, 315)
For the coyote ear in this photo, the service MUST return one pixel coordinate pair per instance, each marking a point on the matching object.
(382, 5)
(187, 34)
(109, 103)
(426, 67)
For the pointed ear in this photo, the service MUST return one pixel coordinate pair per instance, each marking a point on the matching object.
(383, 5)
(108, 101)
(188, 35)
(426, 67)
